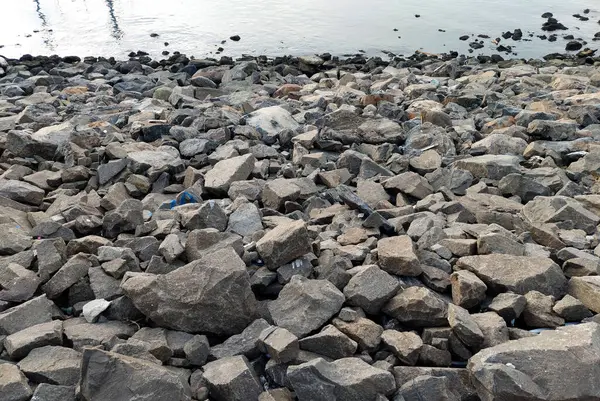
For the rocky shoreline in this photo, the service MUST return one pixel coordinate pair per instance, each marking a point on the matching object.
(299, 228)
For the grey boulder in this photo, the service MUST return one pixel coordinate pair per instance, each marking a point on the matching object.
(13, 384)
(556, 365)
(305, 305)
(284, 243)
(347, 379)
(115, 377)
(210, 295)
(53, 365)
(224, 173)
(519, 274)
(232, 379)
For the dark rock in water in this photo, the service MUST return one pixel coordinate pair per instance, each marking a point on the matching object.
(573, 46)
(517, 34)
(507, 35)
(235, 38)
(581, 17)
(476, 45)
(464, 37)
(568, 37)
(154, 35)
(547, 15)
(553, 25)
(417, 16)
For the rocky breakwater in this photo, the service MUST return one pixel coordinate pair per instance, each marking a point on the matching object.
(299, 229)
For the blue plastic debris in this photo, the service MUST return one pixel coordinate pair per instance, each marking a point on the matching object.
(183, 199)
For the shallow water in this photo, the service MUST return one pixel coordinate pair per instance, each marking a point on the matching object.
(275, 27)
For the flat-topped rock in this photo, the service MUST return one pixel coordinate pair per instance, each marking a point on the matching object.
(519, 274)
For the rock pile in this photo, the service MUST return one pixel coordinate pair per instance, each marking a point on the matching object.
(299, 229)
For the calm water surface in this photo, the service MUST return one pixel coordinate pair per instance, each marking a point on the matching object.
(276, 27)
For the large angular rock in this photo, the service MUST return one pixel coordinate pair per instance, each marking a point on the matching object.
(418, 306)
(279, 344)
(370, 289)
(270, 121)
(467, 289)
(508, 305)
(232, 379)
(347, 379)
(163, 159)
(36, 311)
(458, 380)
(277, 192)
(490, 166)
(19, 344)
(304, 305)
(464, 326)
(13, 384)
(13, 239)
(115, 377)
(245, 220)
(284, 243)
(586, 290)
(571, 309)
(519, 274)
(364, 331)
(53, 365)
(329, 342)
(553, 130)
(406, 346)
(409, 183)
(560, 210)
(493, 327)
(498, 144)
(426, 388)
(526, 369)
(50, 392)
(211, 295)
(397, 256)
(538, 311)
(524, 187)
(208, 215)
(203, 242)
(224, 173)
(20, 191)
(126, 217)
(244, 343)
(18, 283)
(75, 269)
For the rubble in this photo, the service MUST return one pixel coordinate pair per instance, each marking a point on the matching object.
(299, 229)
